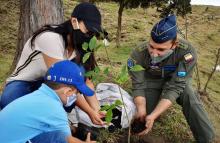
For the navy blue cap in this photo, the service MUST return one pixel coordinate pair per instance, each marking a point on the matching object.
(69, 73)
(164, 30)
(90, 15)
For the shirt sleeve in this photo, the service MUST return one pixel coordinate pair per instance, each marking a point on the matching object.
(173, 88)
(51, 44)
(137, 77)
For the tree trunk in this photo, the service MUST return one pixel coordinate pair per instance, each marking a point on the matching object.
(213, 71)
(33, 15)
(120, 11)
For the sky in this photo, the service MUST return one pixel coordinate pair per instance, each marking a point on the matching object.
(206, 2)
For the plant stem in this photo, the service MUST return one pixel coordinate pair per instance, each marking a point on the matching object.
(108, 57)
(129, 129)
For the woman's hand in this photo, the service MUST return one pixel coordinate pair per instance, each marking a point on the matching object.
(96, 117)
(92, 100)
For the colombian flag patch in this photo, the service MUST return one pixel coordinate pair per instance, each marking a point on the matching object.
(188, 57)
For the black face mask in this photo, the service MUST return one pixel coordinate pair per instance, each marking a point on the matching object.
(79, 38)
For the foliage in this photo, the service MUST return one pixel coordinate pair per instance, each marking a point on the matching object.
(137, 68)
(120, 78)
(165, 7)
(178, 7)
(197, 36)
(90, 47)
(109, 108)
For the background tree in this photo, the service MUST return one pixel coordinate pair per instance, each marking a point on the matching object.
(178, 7)
(33, 15)
(204, 92)
(165, 7)
(126, 4)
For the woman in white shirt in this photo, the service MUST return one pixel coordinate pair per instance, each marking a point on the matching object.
(53, 43)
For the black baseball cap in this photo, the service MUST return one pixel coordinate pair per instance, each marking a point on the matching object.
(90, 15)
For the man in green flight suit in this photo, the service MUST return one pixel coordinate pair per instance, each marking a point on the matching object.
(168, 64)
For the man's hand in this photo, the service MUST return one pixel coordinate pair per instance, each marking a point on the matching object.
(88, 139)
(149, 124)
(140, 103)
(140, 115)
(162, 106)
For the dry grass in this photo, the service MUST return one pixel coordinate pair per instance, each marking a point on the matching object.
(203, 33)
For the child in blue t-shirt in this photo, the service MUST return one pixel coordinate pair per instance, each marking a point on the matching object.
(40, 116)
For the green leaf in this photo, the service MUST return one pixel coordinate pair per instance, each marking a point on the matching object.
(123, 76)
(137, 68)
(108, 117)
(97, 47)
(86, 57)
(89, 74)
(97, 70)
(100, 79)
(106, 71)
(92, 43)
(124, 69)
(118, 103)
(112, 107)
(122, 79)
(105, 107)
(85, 46)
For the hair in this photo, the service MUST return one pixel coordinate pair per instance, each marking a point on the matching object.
(65, 29)
(53, 85)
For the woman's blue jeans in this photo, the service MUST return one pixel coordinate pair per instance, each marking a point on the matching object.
(16, 89)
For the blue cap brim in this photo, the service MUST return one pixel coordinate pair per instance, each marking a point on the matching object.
(84, 89)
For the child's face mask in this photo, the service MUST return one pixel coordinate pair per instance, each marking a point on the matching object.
(70, 100)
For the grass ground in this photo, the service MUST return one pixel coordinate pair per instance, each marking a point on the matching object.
(203, 33)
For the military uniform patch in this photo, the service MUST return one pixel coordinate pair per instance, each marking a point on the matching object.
(169, 68)
(130, 63)
(188, 57)
(181, 74)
